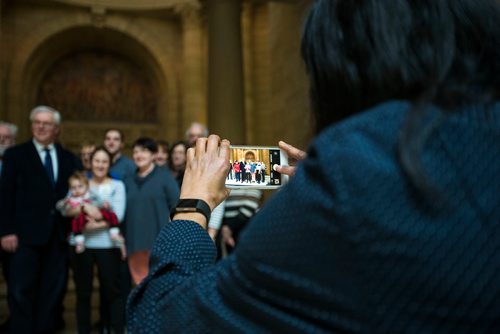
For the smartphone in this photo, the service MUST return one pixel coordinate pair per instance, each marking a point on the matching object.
(252, 167)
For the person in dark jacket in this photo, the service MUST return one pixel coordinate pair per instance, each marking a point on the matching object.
(391, 224)
(34, 177)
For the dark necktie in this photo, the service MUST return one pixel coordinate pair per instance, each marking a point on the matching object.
(48, 166)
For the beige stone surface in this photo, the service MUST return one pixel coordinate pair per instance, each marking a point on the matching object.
(168, 40)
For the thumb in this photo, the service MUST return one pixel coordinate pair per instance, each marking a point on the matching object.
(287, 170)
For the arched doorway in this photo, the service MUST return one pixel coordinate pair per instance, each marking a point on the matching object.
(100, 78)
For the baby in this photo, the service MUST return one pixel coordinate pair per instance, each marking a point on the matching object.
(79, 195)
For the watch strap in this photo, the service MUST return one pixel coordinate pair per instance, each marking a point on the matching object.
(186, 205)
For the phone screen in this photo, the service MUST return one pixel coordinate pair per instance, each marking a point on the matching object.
(252, 167)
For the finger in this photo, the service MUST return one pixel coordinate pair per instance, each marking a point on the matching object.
(11, 247)
(189, 156)
(213, 144)
(201, 147)
(292, 151)
(230, 241)
(224, 150)
(287, 170)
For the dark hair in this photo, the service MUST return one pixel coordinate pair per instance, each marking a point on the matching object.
(147, 143)
(101, 149)
(361, 53)
(163, 144)
(120, 132)
(174, 145)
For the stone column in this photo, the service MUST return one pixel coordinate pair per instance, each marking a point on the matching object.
(226, 116)
(194, 104)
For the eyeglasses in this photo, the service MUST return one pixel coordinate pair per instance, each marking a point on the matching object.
(44, 124)
(6, 137)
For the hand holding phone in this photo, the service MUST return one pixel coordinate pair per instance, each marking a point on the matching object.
(293, 153)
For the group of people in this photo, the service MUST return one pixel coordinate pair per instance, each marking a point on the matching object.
(247, 171)
(389, 224)
(110, 209)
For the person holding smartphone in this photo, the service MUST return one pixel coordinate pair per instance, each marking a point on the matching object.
(391, 223)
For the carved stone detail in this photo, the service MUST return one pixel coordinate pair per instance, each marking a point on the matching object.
(100, 86)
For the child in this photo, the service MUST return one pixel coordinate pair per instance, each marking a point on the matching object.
(79, 195)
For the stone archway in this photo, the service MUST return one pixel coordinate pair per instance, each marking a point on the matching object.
(97, 84)
(135, 48)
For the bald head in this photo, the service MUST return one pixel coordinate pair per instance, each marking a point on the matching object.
(8, 134)
(195, 131)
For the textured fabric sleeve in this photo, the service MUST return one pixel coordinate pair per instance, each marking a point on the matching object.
(182, 249)
(118, 200)
(278, 279)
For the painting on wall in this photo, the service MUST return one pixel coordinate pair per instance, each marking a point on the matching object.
(100, 86)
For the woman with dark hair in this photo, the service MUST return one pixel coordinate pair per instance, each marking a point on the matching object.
(151, 193)
(177, 161)
(100, 250)
(391, 223)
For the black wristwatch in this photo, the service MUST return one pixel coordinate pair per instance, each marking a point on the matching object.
(192, 205)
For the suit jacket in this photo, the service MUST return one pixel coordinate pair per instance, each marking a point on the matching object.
(27, 198)
(349, 245)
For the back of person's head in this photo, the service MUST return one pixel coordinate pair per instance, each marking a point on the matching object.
(360, 53)
(196, 130)
(147, 143)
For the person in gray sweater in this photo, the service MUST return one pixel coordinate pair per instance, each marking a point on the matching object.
(151, 193)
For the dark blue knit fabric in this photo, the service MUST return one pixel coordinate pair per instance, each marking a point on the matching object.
(348, 245)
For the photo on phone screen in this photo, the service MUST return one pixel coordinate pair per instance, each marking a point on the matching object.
(252, 167)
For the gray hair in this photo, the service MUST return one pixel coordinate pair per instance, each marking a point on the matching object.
(39, 109)
(12, 128)
(205, 129)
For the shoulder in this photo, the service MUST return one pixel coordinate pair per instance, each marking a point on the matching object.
(63, 150)
(128, 161)
(117, 184)
(67, 154)
(163, 174)
(363, 147)
(372, 122)
(374, 130)
(19, 149)
(19, 154)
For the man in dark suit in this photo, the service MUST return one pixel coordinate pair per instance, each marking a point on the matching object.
(34, 177)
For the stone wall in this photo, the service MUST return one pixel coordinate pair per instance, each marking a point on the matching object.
(169, 43)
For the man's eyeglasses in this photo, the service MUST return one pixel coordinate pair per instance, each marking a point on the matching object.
(43, 124)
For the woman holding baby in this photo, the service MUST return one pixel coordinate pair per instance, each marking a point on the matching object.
(101, 249)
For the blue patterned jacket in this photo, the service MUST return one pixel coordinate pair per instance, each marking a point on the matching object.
(349, 245)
